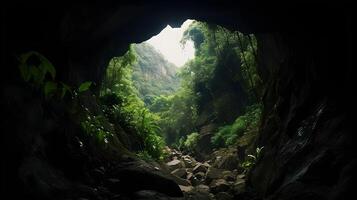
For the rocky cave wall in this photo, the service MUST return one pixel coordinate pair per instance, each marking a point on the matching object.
(304, 56)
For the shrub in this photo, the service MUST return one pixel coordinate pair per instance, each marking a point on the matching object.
(191, 141)
(252, 159)
(94, 126)
(219, 139)
(228, 135)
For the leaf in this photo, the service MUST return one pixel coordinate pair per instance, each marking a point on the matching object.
(39, 72)
(47, 66)
(49, 89)
(65, 88)
(84, 86)
(23, 67)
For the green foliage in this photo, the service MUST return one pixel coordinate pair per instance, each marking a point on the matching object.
(191, 141)
(124, 108)
(84, 86)
(228, 135)
(93, 125)
(37, 69)
(223, 60)
(177, 114)
(144, 155)
(39, 72)
(152, 74)
(252, 159)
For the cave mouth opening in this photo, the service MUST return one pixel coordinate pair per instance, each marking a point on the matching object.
(190, 97)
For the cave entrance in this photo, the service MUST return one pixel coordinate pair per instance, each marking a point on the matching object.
(189, 97)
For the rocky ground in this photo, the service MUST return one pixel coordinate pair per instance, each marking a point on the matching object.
(217, 178)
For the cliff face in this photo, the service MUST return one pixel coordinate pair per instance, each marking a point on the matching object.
(153, 75)
(305, 60)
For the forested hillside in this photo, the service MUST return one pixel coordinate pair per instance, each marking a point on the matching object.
(210, 102)
(152, 74)
(219, 85)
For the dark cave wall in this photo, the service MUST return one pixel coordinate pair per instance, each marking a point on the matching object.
(307, 127)
(305, 57)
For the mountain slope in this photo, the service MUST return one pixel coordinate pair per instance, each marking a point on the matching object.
(152, 74)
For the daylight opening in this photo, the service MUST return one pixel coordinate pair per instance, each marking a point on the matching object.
(190, 98)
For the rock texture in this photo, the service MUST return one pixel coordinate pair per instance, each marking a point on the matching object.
(305, 59)
(204, 181)
(306, 131)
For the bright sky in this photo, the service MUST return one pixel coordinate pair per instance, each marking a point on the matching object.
(168, 43)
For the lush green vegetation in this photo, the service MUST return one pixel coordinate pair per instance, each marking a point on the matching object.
(217, 86)
(144, 100)
(152, 74)
(122, 105)
(228, 134)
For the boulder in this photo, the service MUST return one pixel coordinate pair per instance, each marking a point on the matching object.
(180, 172)
(213, 173)
(189, 161)
(175, 164)
(239, 187)
(206, 164)
(186, 189)
(180, 181)
(241, 176)
(203, 149)
(219, 185)
(229, 176)
(226, 160)
(202, 188)
(192, 178)
(145, 177)
(189, 170)
(200, 168)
